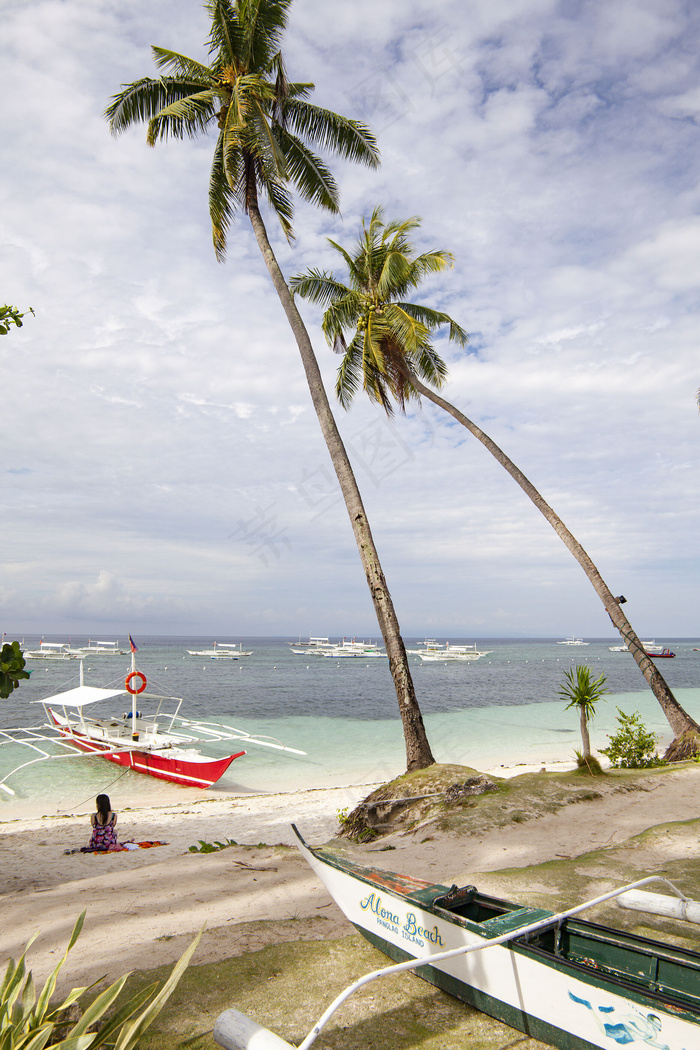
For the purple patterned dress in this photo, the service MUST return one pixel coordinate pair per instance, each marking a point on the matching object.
(103, 836)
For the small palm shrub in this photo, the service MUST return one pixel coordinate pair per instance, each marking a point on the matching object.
(28, 1022)
(583, 693)
(633, 746)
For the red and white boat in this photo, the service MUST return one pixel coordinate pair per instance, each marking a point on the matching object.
(157, 741)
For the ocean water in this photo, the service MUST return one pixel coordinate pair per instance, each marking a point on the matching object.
(501, 710)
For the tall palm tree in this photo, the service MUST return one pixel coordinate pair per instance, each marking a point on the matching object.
(267, 133)
(387, 351)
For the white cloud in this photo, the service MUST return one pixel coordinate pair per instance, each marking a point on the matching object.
(161, 459)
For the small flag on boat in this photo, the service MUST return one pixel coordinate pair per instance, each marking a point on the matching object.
(134, 646)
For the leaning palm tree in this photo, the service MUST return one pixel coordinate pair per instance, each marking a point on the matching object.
(387, 351)
(267, 134)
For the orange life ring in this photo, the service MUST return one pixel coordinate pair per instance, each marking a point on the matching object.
(135, 674)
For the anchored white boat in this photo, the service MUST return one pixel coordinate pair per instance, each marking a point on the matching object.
(443, 651)
(222, 651)
(573, 641)
(54, 651)
(102, 649)
(314, 646)
(349, 649)
(651, 648)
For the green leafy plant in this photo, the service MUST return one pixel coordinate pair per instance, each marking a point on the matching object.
(10, 315)
(583, 693)
(28, 1022)
(212, 847)
(633, 746)
(11, 668)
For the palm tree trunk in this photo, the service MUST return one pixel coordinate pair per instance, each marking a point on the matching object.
(418, 753)
(585, 737)
(679, 720)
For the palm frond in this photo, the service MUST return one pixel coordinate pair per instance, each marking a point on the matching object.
(339, 248)
(348, 138)
(308, 174)
(392, 271)
(226, 33)
(428, 263)
(222, 198)
(143, 99)
(433, 319)
(280, 202)
(349, 377)
(318, 287)
(409, 332)
(181, 66)
(186, 117)
(400, 228)
(266, 136)
(264, 22)
(341, 316)
(375, 377)
(430, 367)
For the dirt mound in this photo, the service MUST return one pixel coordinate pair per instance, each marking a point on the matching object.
(413, 798)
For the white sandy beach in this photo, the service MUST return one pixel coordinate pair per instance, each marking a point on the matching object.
(144, 906)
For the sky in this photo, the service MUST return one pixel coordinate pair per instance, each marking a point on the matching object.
(162, 468)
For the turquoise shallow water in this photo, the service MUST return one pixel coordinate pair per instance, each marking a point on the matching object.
(500, 710)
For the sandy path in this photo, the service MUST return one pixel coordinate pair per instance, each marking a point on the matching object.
(144, 906)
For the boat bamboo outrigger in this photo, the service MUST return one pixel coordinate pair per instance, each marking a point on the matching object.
(160, 743)
(569, 982)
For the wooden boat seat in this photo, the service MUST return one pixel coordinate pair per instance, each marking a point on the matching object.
(513, 920)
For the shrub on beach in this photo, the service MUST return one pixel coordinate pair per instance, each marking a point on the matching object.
(633, 746)
(28, 1022)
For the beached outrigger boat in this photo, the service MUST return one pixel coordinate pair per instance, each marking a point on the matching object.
(569, 982)
(160, 743)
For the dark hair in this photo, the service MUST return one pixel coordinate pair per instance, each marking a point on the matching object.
(103, 808)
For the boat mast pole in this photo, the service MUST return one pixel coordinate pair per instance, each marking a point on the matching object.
(133, 697)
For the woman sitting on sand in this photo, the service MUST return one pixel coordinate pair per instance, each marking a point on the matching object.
(103, 822)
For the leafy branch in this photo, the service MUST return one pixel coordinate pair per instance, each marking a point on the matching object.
(10, 315)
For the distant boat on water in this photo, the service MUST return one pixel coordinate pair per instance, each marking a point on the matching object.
(222, 651)
(445, 651)
(102, 649)
(54, 651)
(313, 647)
(657, 652)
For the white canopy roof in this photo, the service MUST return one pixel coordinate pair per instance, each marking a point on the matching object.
(80, 697)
